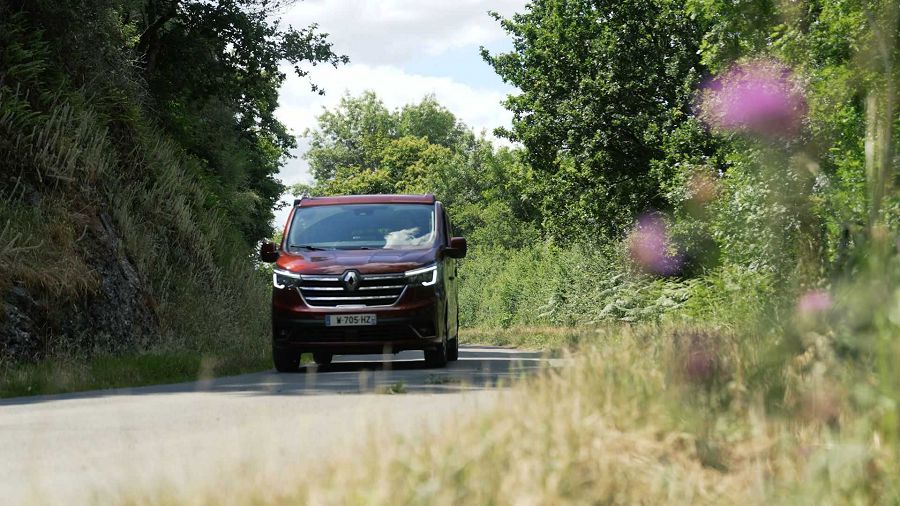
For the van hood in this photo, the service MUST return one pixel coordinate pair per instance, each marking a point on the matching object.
(365, 261)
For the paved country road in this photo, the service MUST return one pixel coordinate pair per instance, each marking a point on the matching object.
(90, 447)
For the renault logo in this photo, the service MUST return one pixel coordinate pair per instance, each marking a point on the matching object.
(350, 280)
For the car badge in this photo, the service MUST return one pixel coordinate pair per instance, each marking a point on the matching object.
(351, 281)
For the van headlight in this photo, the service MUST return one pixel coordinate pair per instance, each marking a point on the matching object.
(425, 276)
(282, 279)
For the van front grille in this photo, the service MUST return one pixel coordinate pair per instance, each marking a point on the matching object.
(369, 290)
(350, 334)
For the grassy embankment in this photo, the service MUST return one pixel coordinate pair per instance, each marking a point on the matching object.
(96, 203)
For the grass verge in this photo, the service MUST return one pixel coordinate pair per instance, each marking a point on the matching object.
(51, 377)
(56, 377)
(553, 339)
(644, 415)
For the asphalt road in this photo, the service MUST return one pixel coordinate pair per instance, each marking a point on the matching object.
(97, 446)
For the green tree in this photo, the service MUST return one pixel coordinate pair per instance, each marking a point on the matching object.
(352, 135)
(430, 120)
(361, 147)
(603, 84)
(213, 70)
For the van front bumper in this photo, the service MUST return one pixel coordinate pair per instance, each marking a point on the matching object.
(397, 329)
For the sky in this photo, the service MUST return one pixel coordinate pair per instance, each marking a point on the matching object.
(402, 50)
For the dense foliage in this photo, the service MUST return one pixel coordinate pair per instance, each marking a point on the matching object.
(604, 109)
(220, 106)
(611, 126)
(724, 165)
(139, 150)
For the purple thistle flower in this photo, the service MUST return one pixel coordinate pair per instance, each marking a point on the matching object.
(813, 302)
(760, 97)
(650, 247)
(701, 365)
(700, 358)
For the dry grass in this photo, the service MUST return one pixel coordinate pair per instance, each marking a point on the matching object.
(531, 338)
(38, 248)
(635, 420)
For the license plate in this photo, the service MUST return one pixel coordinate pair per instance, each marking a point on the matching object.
(349, 320)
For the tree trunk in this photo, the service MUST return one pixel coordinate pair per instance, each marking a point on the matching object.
(149, 44)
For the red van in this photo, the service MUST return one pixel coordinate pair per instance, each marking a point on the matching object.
(365, 274)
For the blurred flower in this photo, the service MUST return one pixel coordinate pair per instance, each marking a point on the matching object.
(702, 365)
(650, 248)
(699, 357)
(701, 187)
(761, 97)
(822, 403)
(812, 302)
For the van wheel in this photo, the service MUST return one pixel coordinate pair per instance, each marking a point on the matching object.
(453, 349)
(437, 357)
(286, 360)
(322, 358)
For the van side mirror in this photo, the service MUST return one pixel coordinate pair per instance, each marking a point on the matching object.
(268, 252)
(457, 248)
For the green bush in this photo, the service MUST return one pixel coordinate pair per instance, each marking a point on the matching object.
(550, 285)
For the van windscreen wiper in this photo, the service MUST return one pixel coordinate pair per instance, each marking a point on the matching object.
(306, 247)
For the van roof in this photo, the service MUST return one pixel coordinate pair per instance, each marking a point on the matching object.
(365, 199)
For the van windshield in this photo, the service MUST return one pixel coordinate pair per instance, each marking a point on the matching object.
(362, 226)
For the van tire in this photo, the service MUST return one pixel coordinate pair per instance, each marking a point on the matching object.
(453, 349)
(286, 360)
(437, 357)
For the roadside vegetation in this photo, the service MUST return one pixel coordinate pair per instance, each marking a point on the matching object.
(127, 371)
(703, 210)
(653, 415)
(134, 187)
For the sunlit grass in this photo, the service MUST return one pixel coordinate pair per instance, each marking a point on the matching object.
(636, 419)
(56, 376)
(529, 338)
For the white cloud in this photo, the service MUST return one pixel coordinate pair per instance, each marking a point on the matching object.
(383, 36)
(479, 108)
(380, 32)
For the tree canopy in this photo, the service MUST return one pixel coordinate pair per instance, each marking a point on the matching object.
(221, 105)
(604, 85)
(207, 73)
(362, 147)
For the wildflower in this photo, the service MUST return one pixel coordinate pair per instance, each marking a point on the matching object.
(701, 364)
(650, 247)
(760, 97)
(813, 302)
(699, 357)
(822, 402)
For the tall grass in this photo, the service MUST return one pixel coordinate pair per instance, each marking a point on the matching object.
(647, 414)
(87, 174)
(550, 285)
(211, 297)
